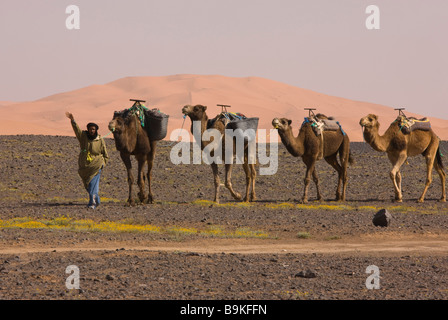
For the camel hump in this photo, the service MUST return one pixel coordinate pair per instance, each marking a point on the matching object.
(121, 113)
(321, 116)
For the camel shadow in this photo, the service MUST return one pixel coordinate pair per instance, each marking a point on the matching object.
(270, 201)
(51, 204)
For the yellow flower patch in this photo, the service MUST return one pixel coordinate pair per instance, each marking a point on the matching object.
(69, 224)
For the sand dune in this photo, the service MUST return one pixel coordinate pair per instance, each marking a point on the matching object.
(252, 96)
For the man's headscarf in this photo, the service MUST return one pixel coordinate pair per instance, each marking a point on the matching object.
(91, 124)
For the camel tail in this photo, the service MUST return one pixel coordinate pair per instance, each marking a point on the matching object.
(439, 158)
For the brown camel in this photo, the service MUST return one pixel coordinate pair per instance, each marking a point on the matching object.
(197, 113)
(132, 139)
(399, 147)
(308, 146)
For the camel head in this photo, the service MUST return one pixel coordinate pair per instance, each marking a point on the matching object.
(369, 121)
(120, 122)
(281, 124)
(125, 127)
(116, 125)
(194, 112)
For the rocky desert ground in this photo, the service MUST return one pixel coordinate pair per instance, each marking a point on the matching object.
(185, 247)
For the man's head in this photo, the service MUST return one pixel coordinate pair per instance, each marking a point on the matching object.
(92, 129)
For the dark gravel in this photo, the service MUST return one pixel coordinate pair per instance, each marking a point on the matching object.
(39, 180)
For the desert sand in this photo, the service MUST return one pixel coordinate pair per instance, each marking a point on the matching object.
(252, 96)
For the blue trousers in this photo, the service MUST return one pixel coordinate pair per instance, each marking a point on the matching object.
(93, 189)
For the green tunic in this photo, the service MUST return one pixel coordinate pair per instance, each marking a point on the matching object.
(93, 155)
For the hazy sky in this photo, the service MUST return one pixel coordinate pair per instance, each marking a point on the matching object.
(319, 45)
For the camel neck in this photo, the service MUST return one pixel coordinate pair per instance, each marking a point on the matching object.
(294, 145)
(375, 140)
(204, 120)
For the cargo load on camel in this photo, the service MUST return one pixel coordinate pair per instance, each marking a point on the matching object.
(236, 121)
(407, 125)
(410, 124)
(153, 121)
(320, 122)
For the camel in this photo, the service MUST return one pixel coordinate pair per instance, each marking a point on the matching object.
(198, 113)
(399, 147)
(308, 146)
(131, 139)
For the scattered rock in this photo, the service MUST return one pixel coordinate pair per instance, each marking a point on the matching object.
(109, 277)
(382, 218)
(306, 274)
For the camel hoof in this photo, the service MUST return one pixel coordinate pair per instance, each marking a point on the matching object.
(398, 199)
(420, 200)
(148, 201)
(442, 200)
(303, 201)
(130, 203)
(238, 196)
(253, 198)
(142, 198)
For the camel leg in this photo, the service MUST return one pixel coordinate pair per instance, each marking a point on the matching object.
(253, 175)
(228, 182)
(429, 166)
(333, 161)
(150, 160)
(344, 155)
(127, 162)
(316, 182)
(398, 180)
(344, 182)
(442, 176)
(310, 164)
(140, 180)
(397, 162)
(248, 179)
(216, 180)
